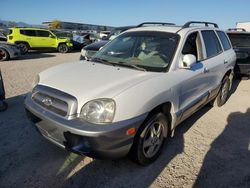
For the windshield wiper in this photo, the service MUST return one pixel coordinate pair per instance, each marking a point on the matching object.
(132, 65)
(100, 60)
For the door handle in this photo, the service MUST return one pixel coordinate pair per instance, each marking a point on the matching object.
(205, 70)
(225, 61)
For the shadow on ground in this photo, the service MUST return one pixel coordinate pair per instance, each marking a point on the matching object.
(227, 163)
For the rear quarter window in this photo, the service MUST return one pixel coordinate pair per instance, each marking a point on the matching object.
(212, 43)
(224, 40)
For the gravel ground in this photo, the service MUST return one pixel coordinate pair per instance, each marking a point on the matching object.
(210, 149)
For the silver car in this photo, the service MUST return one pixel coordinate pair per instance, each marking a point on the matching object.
(8, 51)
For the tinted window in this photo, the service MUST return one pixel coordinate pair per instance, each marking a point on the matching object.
(28, 32)
(212, 43)
(239, 40)
(224, 40)
(42, 33)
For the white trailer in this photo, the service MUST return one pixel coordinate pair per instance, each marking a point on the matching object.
(243, 25)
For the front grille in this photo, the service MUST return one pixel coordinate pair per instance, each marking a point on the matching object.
(54, 100)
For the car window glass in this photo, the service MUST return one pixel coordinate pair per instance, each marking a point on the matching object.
(42, 33)
(224, 40)
(212, 44)
(193, 46)
(240, 40)
(29, 32)
(150, 50)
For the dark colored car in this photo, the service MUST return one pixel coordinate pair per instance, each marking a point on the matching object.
(240, 40)
(89, 50)
(3, 104)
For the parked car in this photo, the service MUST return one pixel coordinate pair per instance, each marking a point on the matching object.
(134, 92)
(3, 104)
(35, 38)
(90, 50)
(8, 51)
(240, 40)
(3, 37)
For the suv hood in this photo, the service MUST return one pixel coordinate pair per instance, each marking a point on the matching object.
(87, 80)
(96, 45)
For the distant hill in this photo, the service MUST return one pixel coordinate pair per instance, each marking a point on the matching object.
(7, 24)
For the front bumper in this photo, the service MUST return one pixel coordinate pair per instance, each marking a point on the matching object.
(98, 141)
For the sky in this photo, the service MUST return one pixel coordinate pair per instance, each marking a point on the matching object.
(127, 12)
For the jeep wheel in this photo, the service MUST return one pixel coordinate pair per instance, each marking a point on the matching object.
(223, 94)
(63, 48)
(149, 140)
(23, 47)
(4, 56)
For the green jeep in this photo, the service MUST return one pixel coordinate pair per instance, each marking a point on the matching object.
(35, 38)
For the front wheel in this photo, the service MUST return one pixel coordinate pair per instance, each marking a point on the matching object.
(149, 141)
(63, 48)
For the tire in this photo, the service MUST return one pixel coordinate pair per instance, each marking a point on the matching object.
(224, 92)
(63, 48)
(4, 55)
(149, 140)
(3, 106)
(23, 47)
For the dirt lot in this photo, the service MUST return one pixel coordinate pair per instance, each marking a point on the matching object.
(210, 149)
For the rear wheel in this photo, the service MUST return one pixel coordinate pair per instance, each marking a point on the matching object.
(223, 94)
(149, 140)
(63, 48)
(24, 47)
(4, 55)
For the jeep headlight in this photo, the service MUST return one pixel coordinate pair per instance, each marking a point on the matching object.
(99, 111)
(36, 81)
(83, 52)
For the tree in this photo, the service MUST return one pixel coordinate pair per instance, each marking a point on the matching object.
(55, 24)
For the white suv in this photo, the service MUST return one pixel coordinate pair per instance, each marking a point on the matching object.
(131, 96)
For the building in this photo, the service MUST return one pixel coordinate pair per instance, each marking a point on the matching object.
(243, 25)
(78, 26)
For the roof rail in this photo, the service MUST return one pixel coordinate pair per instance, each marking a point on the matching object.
(236, 29)
(186, 25)
(154, 23)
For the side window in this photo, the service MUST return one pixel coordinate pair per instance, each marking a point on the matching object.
(212, 43)
(31, 33)
(42, 33)
(193, 46)
(224, 40)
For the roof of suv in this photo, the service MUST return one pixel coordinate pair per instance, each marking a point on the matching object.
(172, 28)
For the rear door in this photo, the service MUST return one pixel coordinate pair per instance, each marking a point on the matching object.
(29, 35)
(214, 68)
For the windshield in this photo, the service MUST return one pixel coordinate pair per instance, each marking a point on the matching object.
(152, 51)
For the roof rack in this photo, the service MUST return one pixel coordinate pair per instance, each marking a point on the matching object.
(236, 29)
(188, 24)
(154, 23)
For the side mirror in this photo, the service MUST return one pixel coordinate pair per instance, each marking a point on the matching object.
(51, 36)
(188, 60)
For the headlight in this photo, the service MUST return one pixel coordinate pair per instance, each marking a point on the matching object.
(98, 111)
(83, 52)
(36, 81)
